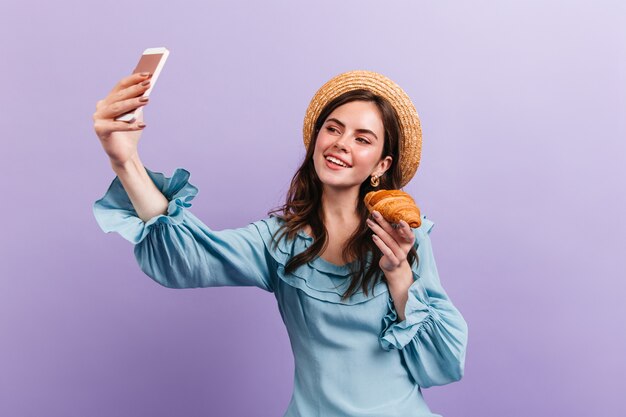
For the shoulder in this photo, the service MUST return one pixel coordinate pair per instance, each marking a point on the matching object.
(423, 231)
(425, 227)
(268, 229)
(269, 224)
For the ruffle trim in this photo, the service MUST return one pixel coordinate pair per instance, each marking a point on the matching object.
(318, 278)
(114, 212)
(418, 314)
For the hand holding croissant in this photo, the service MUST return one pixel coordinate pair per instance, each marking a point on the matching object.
(395, 213)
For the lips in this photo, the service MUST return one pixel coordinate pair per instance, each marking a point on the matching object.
(333, 166)
(341, 159)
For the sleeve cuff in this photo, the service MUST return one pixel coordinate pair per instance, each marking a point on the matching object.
(417, 313)
(114, 212)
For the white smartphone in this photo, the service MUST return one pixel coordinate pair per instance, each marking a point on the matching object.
(152, 60)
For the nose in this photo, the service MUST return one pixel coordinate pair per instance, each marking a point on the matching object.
(339, 143)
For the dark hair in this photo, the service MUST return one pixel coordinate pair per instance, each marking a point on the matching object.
(304, 198)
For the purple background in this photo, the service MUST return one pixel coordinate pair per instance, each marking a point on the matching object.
(522, 106)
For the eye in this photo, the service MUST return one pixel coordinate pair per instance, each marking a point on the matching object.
(364, 140)
(331, 129)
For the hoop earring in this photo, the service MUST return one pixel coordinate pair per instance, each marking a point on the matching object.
(374, 180)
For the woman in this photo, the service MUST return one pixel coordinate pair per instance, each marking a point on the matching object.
(367, 317)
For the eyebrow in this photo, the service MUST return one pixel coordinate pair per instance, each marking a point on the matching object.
(340, 123)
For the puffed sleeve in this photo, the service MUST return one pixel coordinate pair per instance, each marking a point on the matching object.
(433, 336)
(176, 249)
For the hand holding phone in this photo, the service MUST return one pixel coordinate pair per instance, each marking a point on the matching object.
(152, 60)
(119, 139)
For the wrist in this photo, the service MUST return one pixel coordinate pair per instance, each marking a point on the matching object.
(132, 165)
(401, 277)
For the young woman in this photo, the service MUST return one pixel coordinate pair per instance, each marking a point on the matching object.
(368, 319)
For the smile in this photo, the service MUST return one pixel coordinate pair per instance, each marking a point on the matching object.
(334, 162)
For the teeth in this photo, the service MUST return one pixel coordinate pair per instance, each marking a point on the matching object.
(336, 161)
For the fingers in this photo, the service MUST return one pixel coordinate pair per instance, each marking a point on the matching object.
(395, 239)
(126, 96)
(384, 224)
(406, 232)
(104, 127)
(400, 231)
(129, 81)
(393, 259)
(384, 235)
(113, 110)
(135, 90)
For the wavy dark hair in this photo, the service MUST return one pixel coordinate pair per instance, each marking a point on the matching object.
(304, 199)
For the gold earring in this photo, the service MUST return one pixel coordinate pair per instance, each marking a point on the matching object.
(374, 180)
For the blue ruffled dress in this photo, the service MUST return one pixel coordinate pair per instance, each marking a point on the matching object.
(352, 358)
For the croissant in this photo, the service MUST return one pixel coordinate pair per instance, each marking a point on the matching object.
(394, 205)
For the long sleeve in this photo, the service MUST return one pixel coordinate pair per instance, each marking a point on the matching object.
(433, 336)
(176, 249)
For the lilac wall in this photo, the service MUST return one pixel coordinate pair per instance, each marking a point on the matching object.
(522, 106)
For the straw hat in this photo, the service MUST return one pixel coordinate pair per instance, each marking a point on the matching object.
(410, 128)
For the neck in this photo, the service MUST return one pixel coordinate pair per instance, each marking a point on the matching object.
(339, 206)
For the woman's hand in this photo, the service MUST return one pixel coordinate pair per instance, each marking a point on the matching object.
(120, 139)
(394, 243)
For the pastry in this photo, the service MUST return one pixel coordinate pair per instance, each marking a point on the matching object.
(394, 205)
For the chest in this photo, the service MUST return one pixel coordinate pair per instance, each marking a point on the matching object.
(314, 312)
(333, 251)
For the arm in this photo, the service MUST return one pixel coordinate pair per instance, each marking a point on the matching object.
(432, 336)
(399, 283)
(175, 248)
(145, 197)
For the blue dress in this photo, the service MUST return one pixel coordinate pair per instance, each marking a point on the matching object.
(353, 357)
